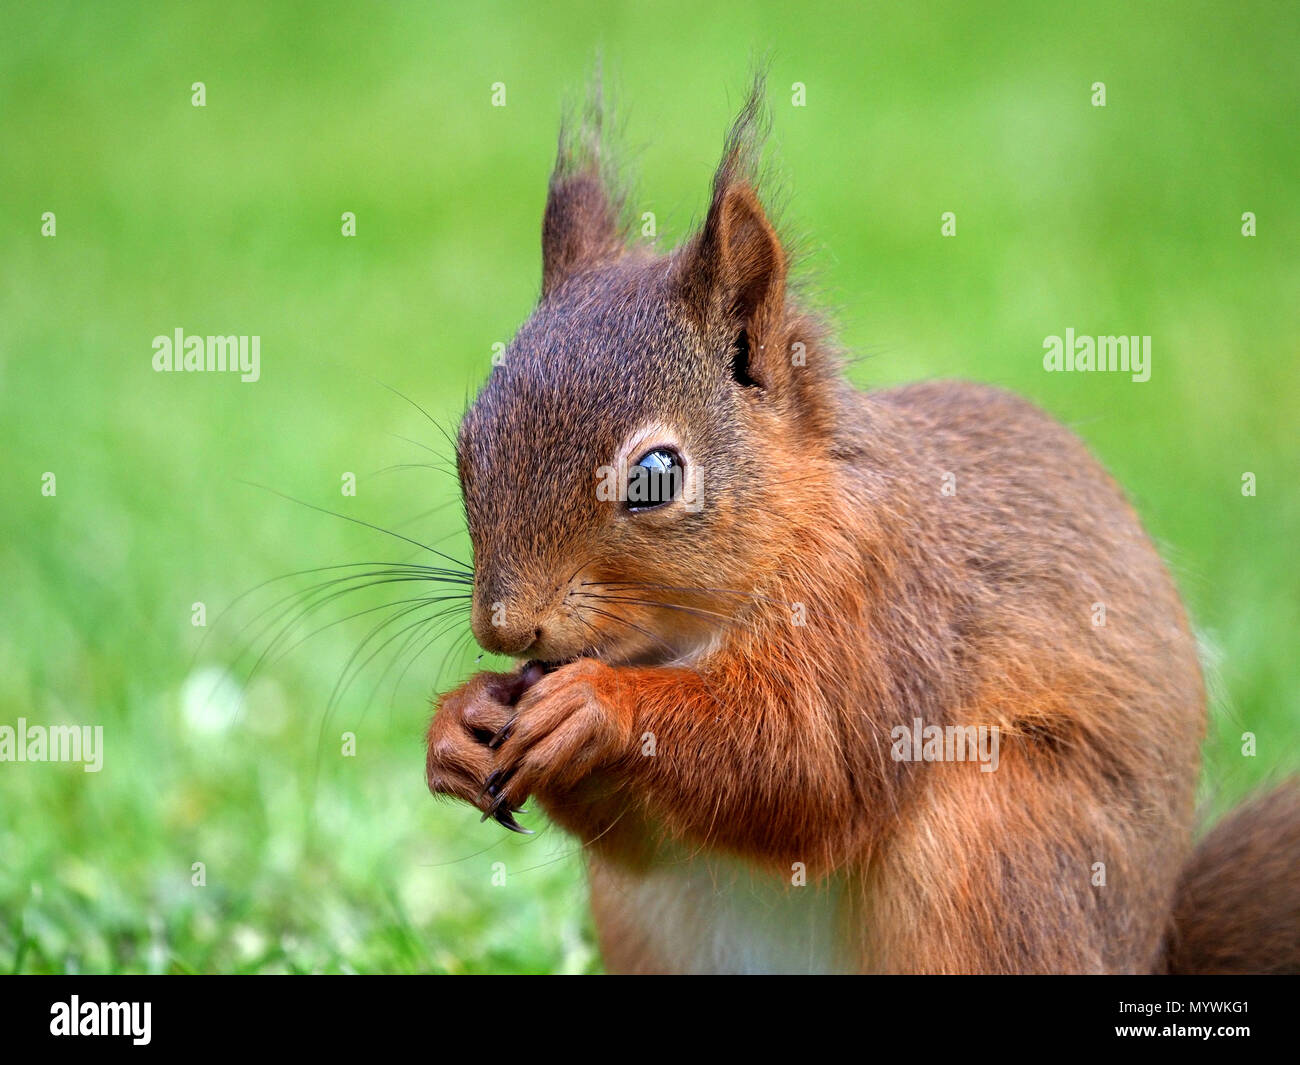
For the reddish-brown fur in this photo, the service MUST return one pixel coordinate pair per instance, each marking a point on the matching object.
(1238, 906)
(860, 560)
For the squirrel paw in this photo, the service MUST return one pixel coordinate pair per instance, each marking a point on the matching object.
(458, 759)
(565, 725)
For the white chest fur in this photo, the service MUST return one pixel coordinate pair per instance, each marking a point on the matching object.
(711, 915)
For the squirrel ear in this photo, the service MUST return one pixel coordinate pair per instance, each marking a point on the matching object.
(733, 272)
(748, 268)
(580, 226)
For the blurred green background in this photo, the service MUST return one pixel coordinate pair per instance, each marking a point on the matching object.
(226, 219)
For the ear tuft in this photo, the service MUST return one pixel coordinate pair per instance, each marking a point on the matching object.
(735, 264)
(743, 149)
(580, 227)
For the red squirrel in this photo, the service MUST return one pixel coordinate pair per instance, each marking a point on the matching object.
(742, 588)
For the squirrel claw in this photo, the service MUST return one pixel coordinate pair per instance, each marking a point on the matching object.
(495, 789)
(503, 814)
(501, 735)
(490, 788)
(506, 819)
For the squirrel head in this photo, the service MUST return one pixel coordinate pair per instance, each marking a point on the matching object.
(627, 467)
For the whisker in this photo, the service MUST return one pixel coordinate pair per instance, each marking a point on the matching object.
(434, 421)
(428, 599)
(428, 513)
(301, 600)
(595, 647)
(303, 595)
(657, 603)
(344, 681)
(708, 686)
(458, 647)
(702, 590)
(696, 588)
(419, 653)
(458, 642)
(418, 625)
(436, 573)
(413, 466)
(420, 443)
(365, 524)
(351, 671)
(412, 637)
(630, 625)
(302, 616)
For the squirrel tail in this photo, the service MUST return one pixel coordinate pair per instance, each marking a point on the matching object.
(1238, 905)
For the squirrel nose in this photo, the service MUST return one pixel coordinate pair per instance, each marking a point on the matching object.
(511, 641)
(498, 632)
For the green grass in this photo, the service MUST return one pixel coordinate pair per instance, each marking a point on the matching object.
(226, 219)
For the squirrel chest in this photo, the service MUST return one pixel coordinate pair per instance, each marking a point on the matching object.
(710, 914)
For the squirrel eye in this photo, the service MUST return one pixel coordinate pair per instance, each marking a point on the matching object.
(654, 480)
